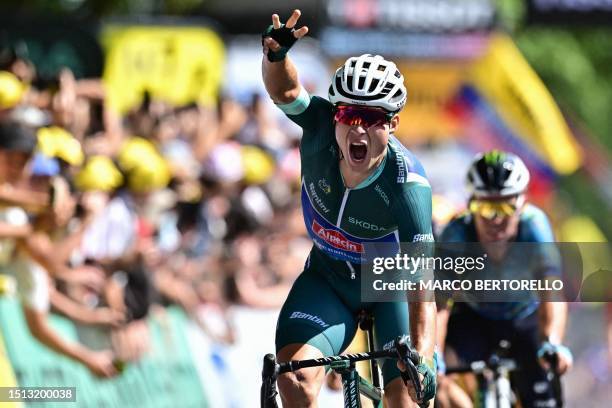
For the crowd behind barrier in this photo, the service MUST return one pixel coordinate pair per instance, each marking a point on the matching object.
(108, 219)
(165, 376)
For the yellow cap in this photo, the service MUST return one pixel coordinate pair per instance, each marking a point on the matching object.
(149, 174)
(11, 90)
(134, 151)
(54, 141)
(258, 166)
(99, 174)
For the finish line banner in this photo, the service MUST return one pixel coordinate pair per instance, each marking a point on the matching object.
(521, 273)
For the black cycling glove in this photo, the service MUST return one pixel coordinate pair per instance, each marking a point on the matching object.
(284, 37)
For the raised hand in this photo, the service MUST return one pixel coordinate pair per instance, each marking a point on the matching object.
(279, 38)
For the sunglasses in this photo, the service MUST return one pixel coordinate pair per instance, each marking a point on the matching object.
(494, 209)
(360, 116)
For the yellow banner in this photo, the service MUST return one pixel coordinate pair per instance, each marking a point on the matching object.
(431, 86)
(511, 85)
(176, 64)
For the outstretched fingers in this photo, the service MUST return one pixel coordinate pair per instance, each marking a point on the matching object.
(291, 22)
(301, 32)
(276, 21)
(294, 18)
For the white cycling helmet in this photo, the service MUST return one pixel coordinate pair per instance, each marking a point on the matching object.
(369, 80)
(497, 174)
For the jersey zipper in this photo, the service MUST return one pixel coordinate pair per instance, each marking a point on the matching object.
(339, 221)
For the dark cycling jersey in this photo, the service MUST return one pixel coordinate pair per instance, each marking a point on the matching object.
(393, 205)
(487, 323)
(543, 260)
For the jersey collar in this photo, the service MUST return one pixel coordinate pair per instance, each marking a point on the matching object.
(372, 177)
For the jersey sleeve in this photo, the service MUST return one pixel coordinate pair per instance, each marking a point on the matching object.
(412, 210)
(539, 231)
(315, 115)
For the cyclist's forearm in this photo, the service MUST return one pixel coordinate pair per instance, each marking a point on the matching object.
(423, 327)
(281, 80)
(441, 324)
(553, 318)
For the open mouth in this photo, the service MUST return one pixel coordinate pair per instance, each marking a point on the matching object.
(358, 151)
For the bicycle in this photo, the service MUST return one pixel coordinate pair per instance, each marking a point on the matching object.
(554, 378)
(493, 375)
(353, 384)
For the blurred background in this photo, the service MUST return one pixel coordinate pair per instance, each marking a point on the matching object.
(151, 229)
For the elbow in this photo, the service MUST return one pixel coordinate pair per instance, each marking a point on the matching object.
(288, 96)
(284, 96)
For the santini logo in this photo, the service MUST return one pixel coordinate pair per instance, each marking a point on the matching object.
(314, 319)
(316, 198)
(423, 238)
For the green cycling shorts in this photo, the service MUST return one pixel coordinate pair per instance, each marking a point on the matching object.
(322, 310)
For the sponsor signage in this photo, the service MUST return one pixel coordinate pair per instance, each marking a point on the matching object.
(425, 29)
(415, 15)
(335, 238)
(342, 42)
(336, 242)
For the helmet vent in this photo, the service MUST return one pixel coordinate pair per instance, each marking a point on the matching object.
(361, 82)
(349, 83)
(373, 85)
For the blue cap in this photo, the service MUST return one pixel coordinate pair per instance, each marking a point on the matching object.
(44, 166)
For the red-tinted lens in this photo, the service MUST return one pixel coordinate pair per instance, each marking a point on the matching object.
(355, 116)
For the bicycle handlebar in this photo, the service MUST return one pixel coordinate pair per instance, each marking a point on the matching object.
(401, 350)
(480, 366)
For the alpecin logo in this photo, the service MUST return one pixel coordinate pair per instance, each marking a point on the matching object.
(336, 238)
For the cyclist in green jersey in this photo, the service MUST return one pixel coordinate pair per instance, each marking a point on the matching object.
(359, 186)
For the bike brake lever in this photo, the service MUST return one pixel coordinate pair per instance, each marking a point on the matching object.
(553, 360)
(410, 358)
